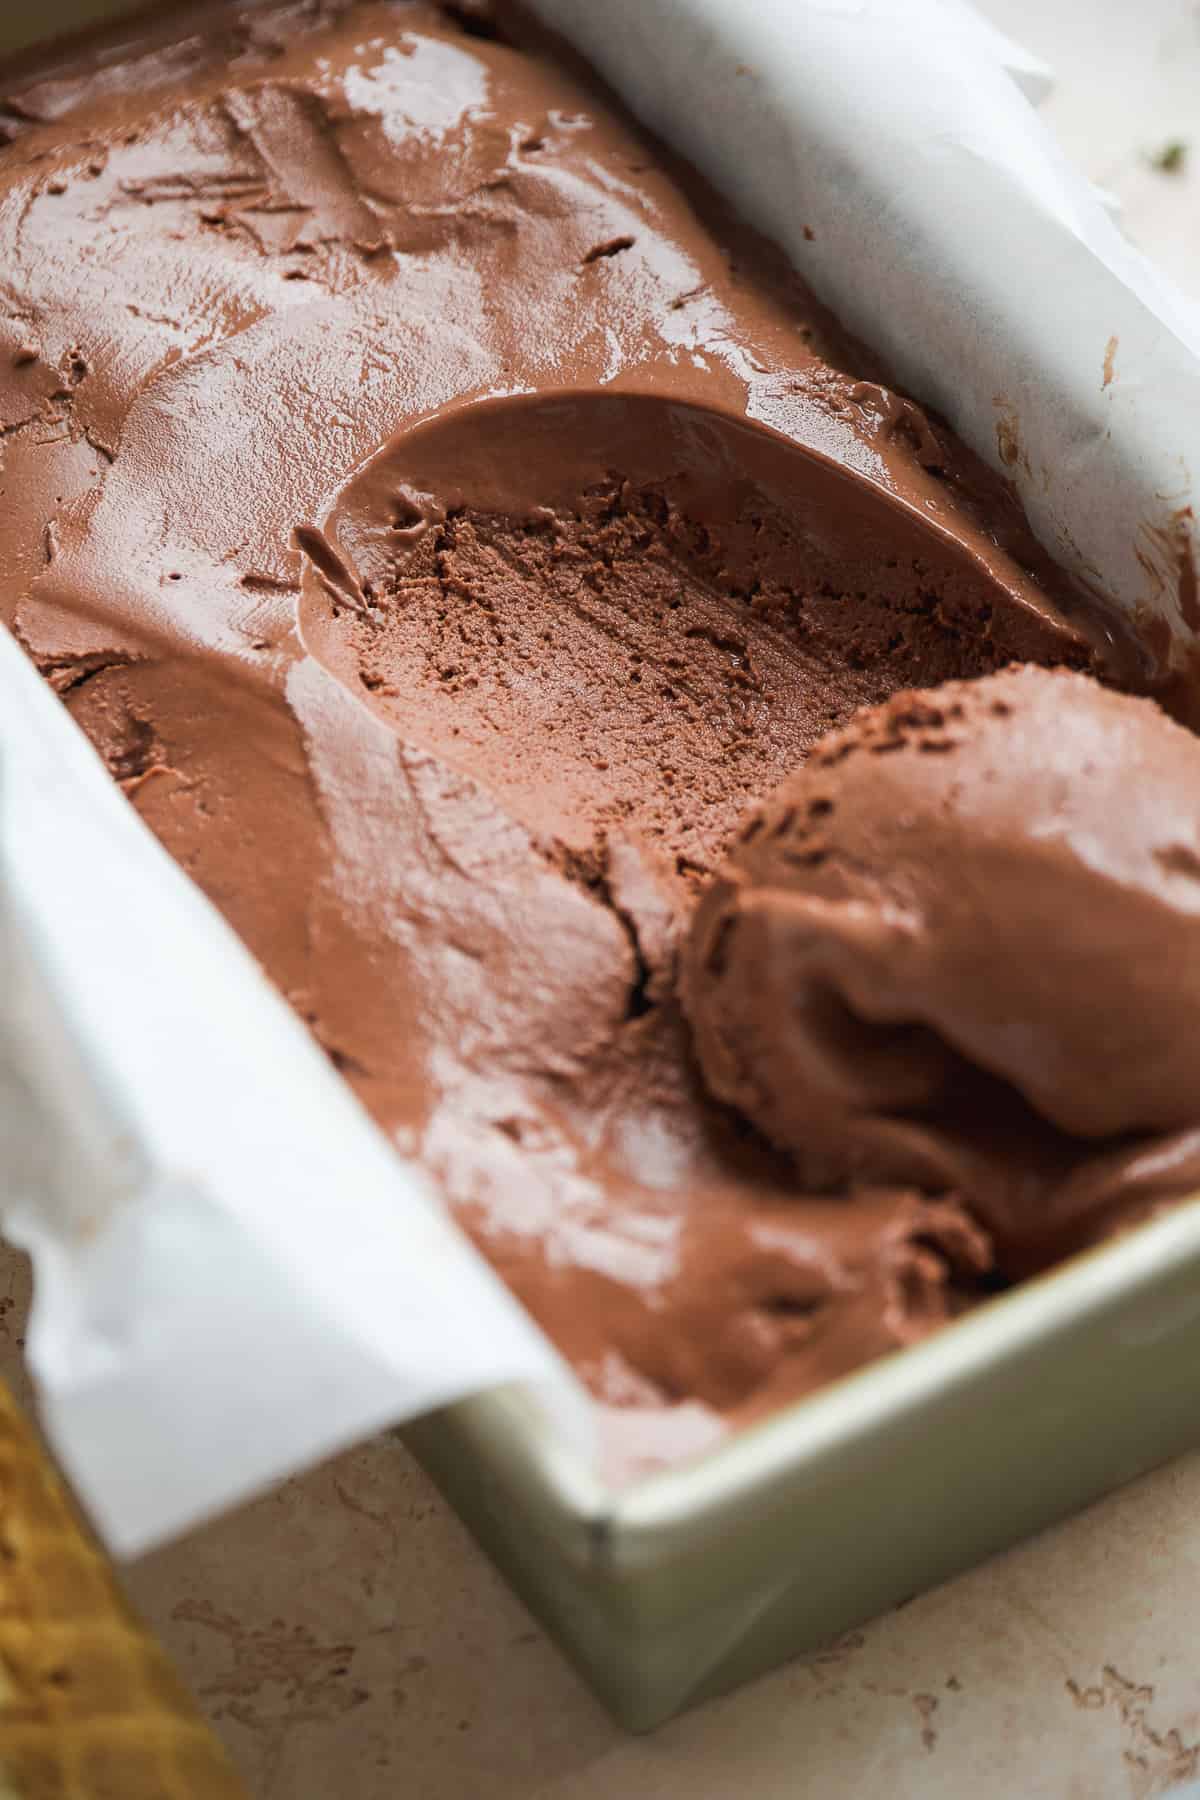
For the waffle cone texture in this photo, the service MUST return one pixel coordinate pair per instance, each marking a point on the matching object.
(90, 1707)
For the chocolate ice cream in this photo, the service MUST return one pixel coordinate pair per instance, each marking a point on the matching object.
(960, 948)
(446, 521)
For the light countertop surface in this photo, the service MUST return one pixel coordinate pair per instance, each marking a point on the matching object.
(351, 1643)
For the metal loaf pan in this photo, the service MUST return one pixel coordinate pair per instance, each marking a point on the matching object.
(846, 1503)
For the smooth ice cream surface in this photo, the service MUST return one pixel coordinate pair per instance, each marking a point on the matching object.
(447, 522)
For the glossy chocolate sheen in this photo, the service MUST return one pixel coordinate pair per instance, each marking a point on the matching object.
(446, 522)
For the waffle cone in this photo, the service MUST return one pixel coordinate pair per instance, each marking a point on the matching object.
(90, 1707)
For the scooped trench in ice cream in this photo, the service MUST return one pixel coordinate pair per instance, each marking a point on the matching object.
(960, 949)
(629, 611)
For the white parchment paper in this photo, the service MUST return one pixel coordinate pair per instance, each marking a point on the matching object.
(235, 1274)
(890, 147)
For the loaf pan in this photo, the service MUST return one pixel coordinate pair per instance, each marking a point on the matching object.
(846, 1503)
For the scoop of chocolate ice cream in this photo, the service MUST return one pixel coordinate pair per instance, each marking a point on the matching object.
(961, 947)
